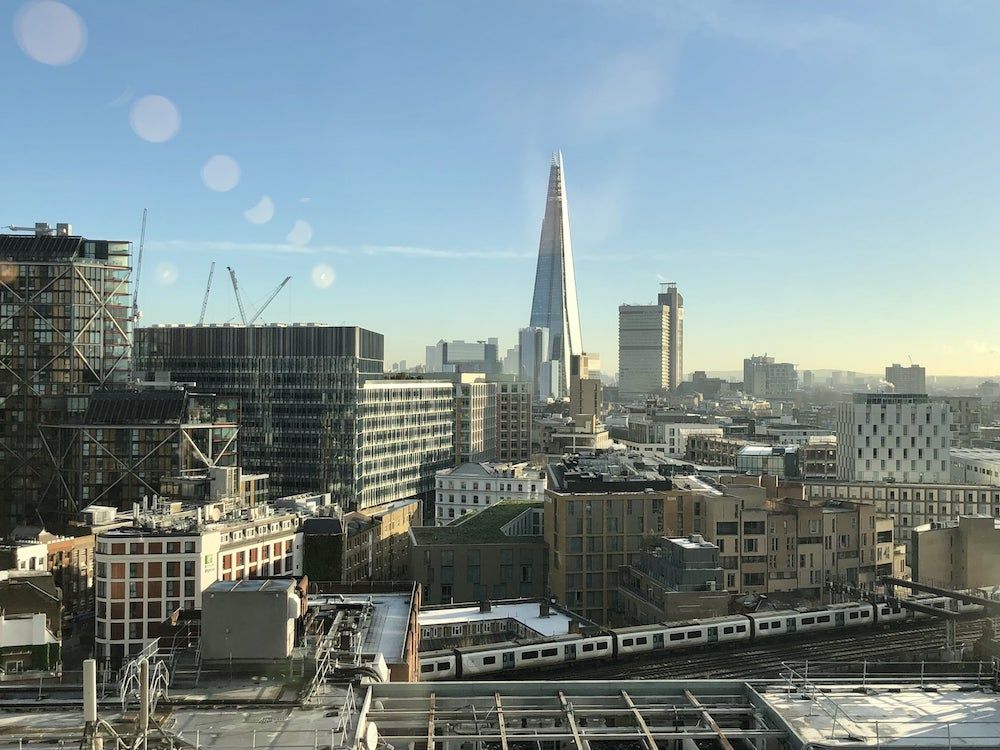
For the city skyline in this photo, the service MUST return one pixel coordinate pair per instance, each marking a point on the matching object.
(799, 173)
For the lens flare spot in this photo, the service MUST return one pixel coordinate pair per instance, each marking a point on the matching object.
(166, 273)
(323, 276)
(301, 233)
(221, 173)
(50, 32)
(262, 213)
(155, 118)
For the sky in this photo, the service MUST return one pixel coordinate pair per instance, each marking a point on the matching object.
(820, 178)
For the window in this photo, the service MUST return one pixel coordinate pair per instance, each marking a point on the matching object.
(527, 655)
(425, 668)
(588, 647)
(823, 618)
(727, 630)
(489, 660)
(694, 634)
(808, 620)
(550, 652)
(628, 642)
(602, 646)
(442, 666)
(677, 636)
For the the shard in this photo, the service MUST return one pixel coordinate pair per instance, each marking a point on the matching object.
(554, 307)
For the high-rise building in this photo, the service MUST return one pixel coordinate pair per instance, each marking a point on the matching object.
(912, 379)
(764, 377)
(554, 304)
(316, 413)
(64, 333)
(651, 344)
(902, 437)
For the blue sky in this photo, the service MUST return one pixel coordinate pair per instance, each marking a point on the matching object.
(821, 179)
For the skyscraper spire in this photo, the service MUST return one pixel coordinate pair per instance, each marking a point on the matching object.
(554, 306)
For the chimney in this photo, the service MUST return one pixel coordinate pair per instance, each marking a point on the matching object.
(484, 606)
(543, 608)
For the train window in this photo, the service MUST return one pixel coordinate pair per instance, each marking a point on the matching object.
(727, 631)
(529, 655)
(824, 618)
(425, 668)
(808, 620)
(588, 646)
(602, 646)
(854, 615)
(550, 651)
(628, 642)
(489, 660)
(443, 665)
(641, 641)
(939, 605)
(694, 634)
(741, 628)
(764, 625)
(864, 613)
(677, 636)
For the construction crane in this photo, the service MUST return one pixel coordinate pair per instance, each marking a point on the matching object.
(208, 288)
(268, 301)
(138, 271)
(236, 291)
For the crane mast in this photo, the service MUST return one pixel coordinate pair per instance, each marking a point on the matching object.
(236, 291)
(208, 288)
(269, 300)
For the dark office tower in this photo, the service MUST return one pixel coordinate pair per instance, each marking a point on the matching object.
(554, 305)
(64, 333)
(315, 411)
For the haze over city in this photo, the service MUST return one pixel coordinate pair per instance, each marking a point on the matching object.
(820, 183)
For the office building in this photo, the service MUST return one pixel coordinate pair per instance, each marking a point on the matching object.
(473, 486)
(535, 369)
(65, 307)
(464, 356)
(169, 556)
(962, 553)
(495, 553)
(554, 305)
(765, 378)
(897, 436)
(912, 379)
(316, 413)
(651, 344)
(713, 450)
(131, 437)
(818, 460)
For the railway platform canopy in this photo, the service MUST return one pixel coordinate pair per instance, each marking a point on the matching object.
(795, 713)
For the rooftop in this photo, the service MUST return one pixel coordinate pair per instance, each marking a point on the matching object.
(253, 586)
(976, 454)
(481, 527)
(525, 611)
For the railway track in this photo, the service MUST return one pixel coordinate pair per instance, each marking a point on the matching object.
(763, 661)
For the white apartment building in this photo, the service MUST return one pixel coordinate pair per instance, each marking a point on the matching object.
(894, 437)
(169, 556)
(912, 379)
(473, 486)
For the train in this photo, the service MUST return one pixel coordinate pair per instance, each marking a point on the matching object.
(667, 637)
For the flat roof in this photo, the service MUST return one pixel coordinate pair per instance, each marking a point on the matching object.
(525, 612)
(386, 629)
(253, 586)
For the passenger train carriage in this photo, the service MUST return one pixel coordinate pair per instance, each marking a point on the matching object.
(453, 664)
